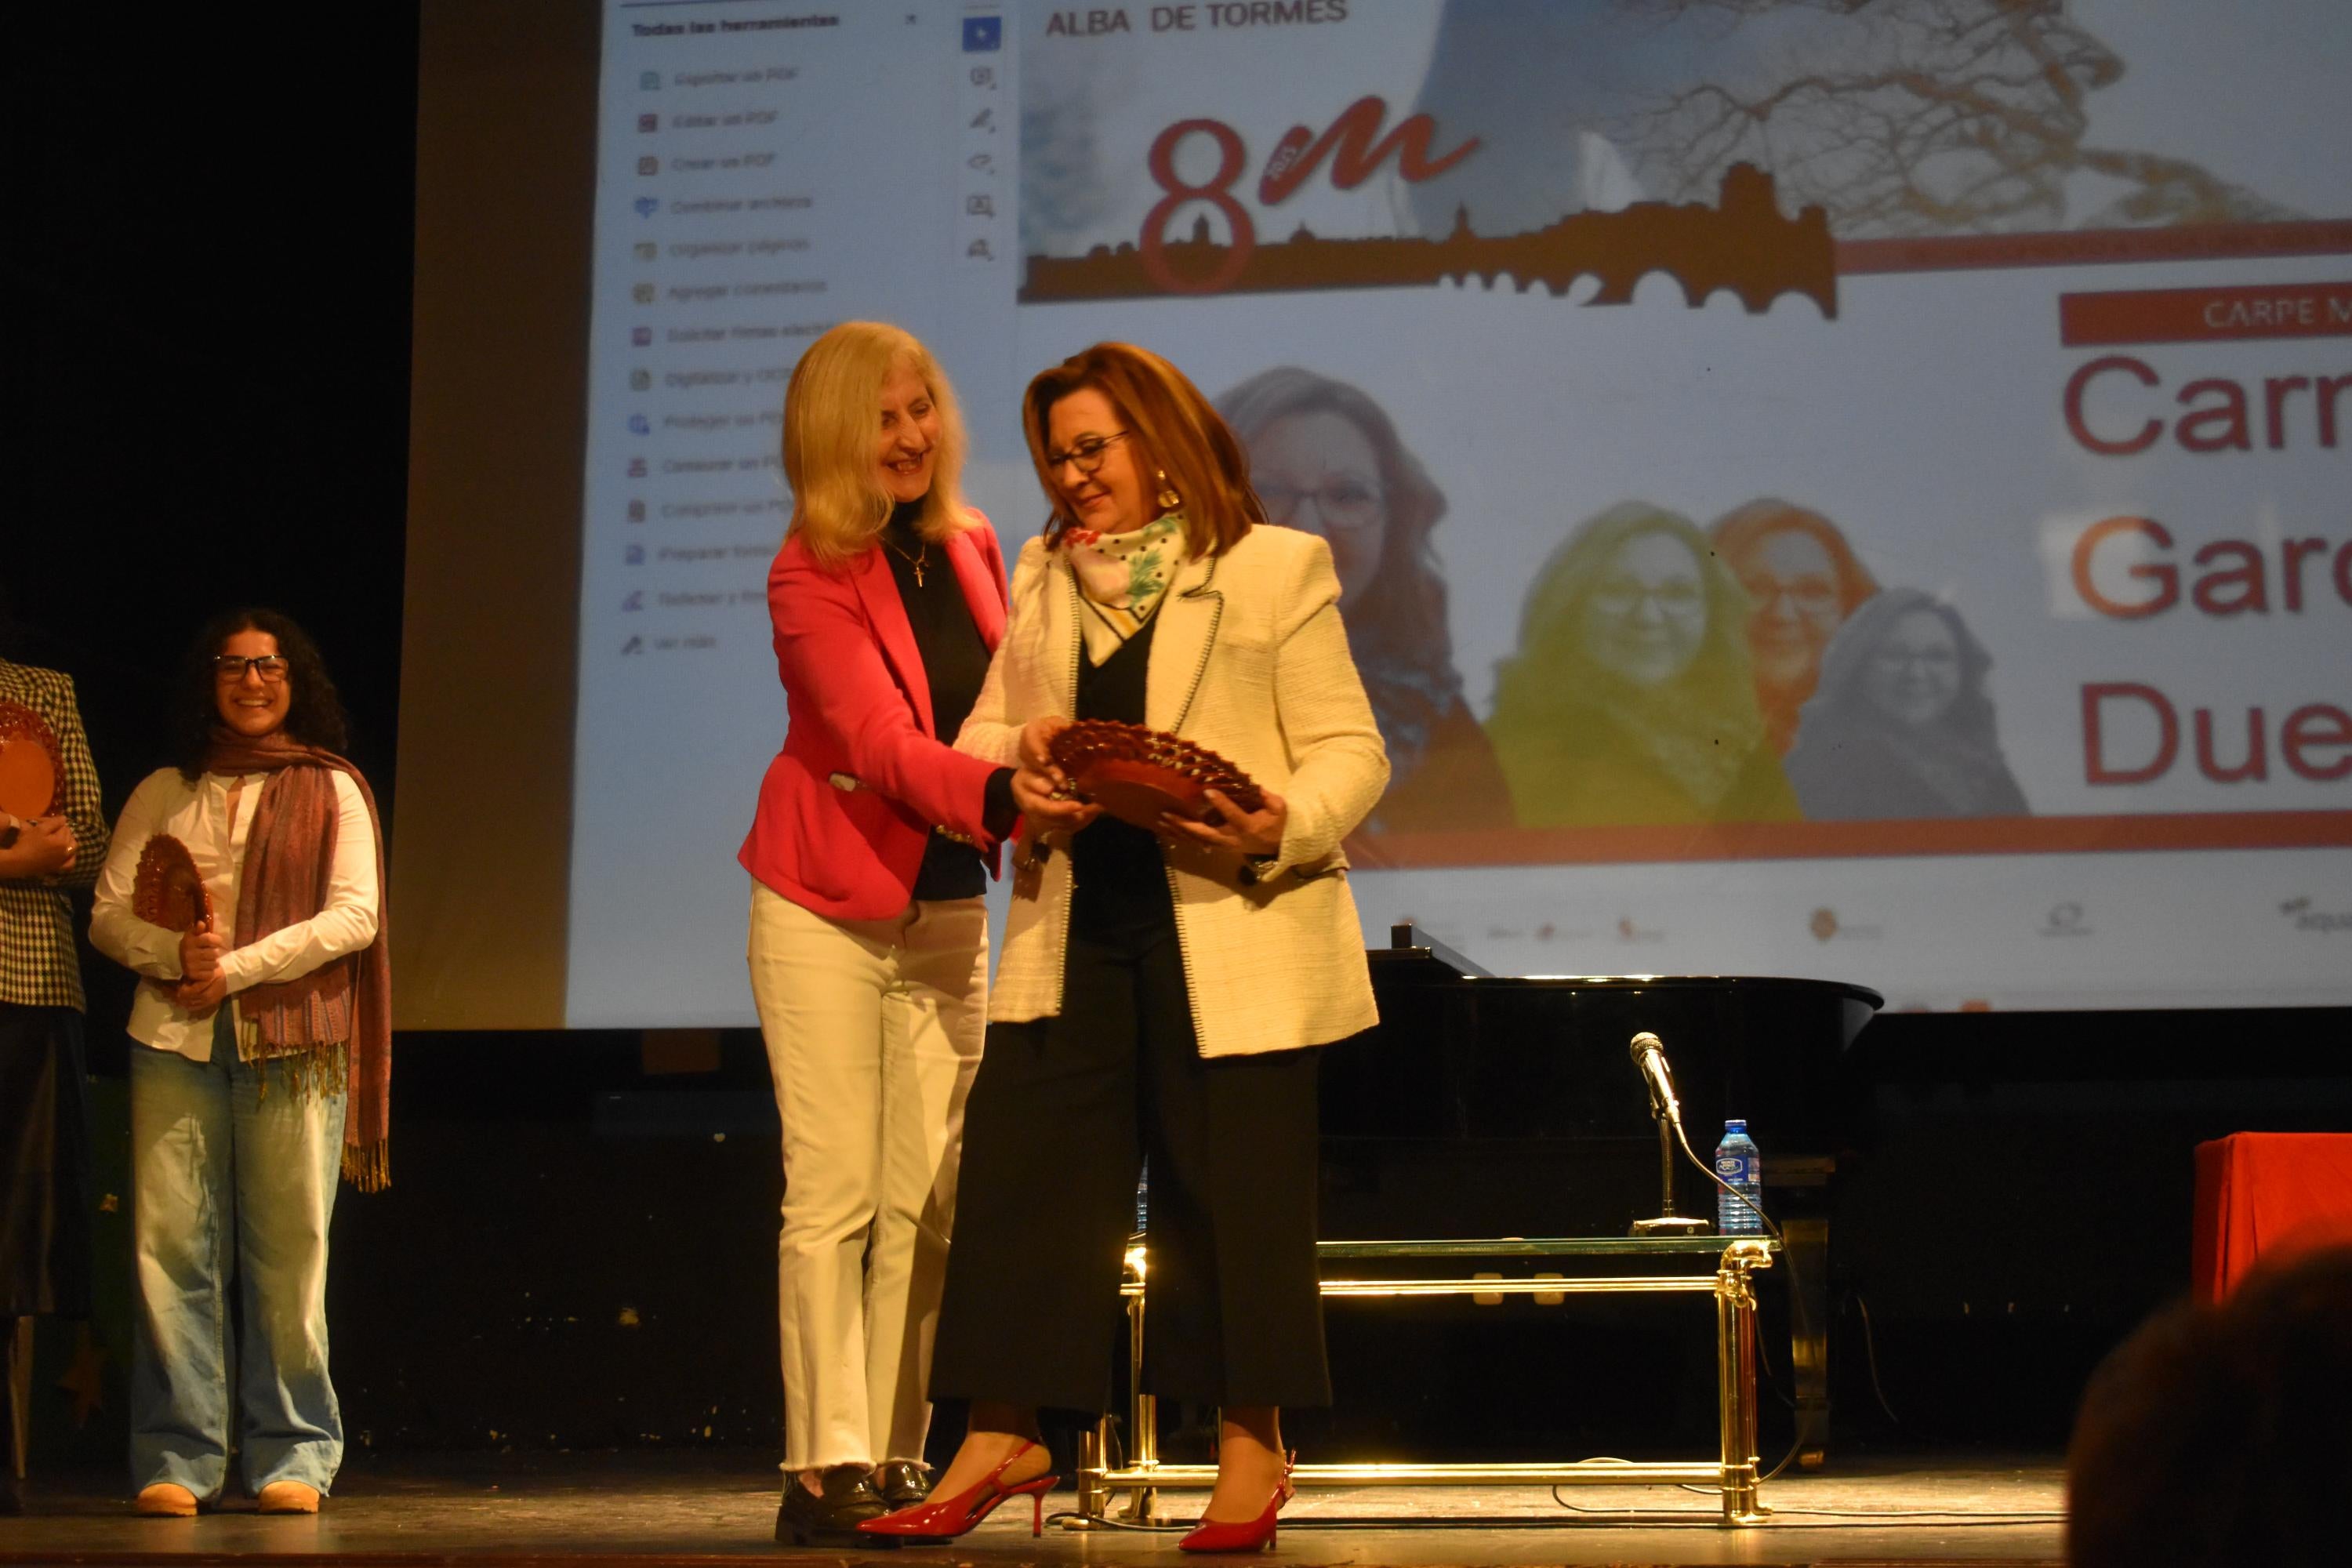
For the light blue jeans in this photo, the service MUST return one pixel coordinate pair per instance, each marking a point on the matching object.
(233, 1187)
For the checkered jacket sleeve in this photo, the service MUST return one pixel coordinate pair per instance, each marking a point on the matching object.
(38, 967)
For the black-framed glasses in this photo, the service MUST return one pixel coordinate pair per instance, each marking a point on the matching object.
(270, 667)
(1087, 452)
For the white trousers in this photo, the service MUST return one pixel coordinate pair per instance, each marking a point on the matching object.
(874, 1031)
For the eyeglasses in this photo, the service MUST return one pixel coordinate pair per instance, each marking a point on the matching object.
(270, 667)
(1623, 596)
(1343, 504)
(1086, 453)
(1899, 661)
(1807, 593)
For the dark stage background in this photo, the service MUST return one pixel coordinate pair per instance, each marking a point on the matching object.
(209, 247)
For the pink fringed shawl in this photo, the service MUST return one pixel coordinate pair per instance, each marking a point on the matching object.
(338, 1017)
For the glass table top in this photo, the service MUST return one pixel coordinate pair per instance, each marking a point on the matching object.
(1544, 1247)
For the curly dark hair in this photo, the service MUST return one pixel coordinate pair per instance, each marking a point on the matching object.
(314, 714)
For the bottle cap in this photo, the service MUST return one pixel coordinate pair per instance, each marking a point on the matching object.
(1737, 1124)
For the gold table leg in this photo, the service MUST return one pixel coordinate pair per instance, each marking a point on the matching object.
(1143, 1418)
(1735, 1362)
(1094, 1458)
(1095, 1445)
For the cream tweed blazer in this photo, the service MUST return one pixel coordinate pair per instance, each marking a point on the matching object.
(1251, 661)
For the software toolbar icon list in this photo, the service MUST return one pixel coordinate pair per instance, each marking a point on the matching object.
(981, 88)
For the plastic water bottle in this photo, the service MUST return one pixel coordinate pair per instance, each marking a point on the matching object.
(1143, 1198)
(1742, 1169)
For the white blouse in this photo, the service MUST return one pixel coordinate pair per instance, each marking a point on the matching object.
(199, 815)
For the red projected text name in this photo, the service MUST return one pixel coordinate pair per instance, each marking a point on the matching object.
(2128, 568)
(2107, 415)
(2131, 730)
(2315, 742)
(2233, 576)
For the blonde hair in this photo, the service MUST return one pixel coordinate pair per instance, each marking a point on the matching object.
(1182, 442)
(830, 430)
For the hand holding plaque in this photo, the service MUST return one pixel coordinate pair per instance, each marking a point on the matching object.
(1140, 775)
(31, 768)
(168, 890)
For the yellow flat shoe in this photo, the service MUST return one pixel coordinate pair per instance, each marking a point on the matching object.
(287, 1497)
(166, 1499)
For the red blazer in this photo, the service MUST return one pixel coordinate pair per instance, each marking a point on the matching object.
(849, 804)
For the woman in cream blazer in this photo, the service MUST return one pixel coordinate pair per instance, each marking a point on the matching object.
(1251, 662)
(1157, 995)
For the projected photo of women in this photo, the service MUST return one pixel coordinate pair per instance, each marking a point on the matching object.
(1630, 700)
(1325, 459)
(1802, 580)
(1900, 726)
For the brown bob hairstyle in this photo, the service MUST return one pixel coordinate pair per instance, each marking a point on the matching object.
(1176, 434)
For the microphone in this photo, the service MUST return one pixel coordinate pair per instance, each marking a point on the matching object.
(1649, 1053)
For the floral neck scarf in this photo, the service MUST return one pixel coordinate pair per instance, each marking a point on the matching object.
(1123, 576)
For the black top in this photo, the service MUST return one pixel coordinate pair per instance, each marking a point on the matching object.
(955, 663)
(1121, 877)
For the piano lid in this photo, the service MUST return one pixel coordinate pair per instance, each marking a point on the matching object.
(1413, 957)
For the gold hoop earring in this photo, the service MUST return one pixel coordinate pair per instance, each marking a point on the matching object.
(1168, 498)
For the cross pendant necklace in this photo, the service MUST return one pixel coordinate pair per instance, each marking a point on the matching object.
(916, 561)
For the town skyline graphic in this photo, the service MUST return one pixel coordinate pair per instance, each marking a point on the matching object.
(1743, 243)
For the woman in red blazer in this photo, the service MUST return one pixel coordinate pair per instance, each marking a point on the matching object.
(869, 944)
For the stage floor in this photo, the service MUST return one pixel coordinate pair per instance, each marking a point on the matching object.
(635, 1509)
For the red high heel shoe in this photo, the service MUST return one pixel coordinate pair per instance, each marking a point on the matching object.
(1247, 1535)
(944, 1519)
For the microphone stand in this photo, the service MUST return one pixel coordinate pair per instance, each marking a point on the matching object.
(1667, 1222)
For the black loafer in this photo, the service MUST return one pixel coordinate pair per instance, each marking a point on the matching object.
(805, 1519)
(903, 1483)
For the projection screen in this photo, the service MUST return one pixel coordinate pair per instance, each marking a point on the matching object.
(1818, 489)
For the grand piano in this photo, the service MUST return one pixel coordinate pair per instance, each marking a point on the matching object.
(1490, 1106)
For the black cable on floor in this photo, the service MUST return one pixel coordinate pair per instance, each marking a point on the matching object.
(2032, 1517)
(1870, 1351)
(1107, 1523)
(1957, 1516)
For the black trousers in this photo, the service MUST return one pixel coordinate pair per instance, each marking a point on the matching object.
(44, 1175)
(1060, 1114)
